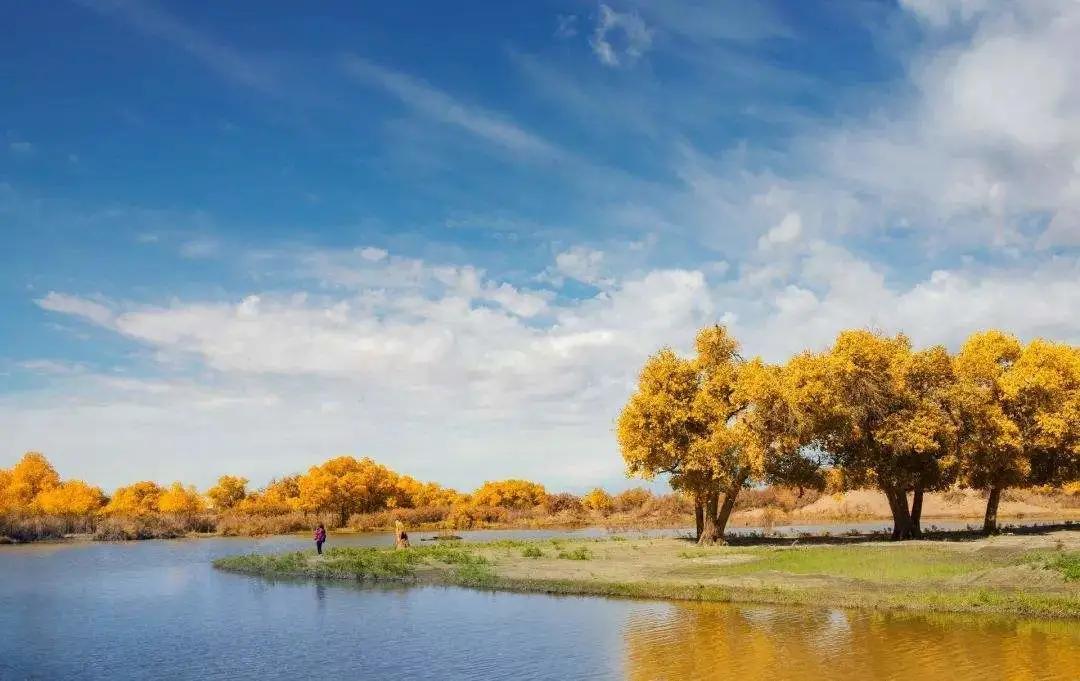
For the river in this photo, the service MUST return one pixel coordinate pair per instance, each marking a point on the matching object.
(158, 610)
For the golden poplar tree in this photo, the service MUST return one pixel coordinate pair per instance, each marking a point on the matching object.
(345, 485)
(180, 499)
(598, 500)
(71, 498)
(512, 493)
(140, 498)
(883, 414)
(229, 491)
(29, 477)
(1020, 408)
(659, 425)
(714, 424)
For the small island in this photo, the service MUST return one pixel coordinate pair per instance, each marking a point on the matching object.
(1034, 573)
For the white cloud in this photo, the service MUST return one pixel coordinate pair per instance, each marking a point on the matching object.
(76, 306)
(288, 378)
(202, 247)
(787, 230)
(566, 26)
(21, 147)
(372, 254)
(619, 38)
(52, 367)
(941, 13)
(581, 263)
(538, 378)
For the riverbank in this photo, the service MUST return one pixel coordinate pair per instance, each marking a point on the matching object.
(769, 509)
(1036, 574)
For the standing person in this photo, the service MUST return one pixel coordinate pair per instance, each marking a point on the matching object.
(320, 537)
(401, 539)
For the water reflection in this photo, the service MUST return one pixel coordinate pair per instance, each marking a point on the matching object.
(159, 610)
(712, 641)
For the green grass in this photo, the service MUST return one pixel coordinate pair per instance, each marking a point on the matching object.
(580, 553)
(359, 563)
(532, 552)
(871, 563)
(1065, 562)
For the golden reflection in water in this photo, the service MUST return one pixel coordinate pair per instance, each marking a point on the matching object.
(719, 641)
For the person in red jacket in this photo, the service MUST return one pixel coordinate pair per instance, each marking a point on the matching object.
(320, 537)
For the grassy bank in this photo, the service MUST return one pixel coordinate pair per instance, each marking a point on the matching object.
(1035, 575)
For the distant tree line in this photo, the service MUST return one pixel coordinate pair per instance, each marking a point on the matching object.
(339, 491)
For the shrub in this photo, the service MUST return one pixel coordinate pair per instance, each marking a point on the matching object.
(532, 551)
(580, 553)
(632, 499)
(122, 528)
(598, 500)
(563, 502)
(23, 528)
(466, 516)
(510, 494)
(780, 497)
(242, 525)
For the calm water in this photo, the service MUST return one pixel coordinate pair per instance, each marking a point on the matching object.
(158, 610)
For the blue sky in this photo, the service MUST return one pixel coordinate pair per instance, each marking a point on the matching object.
(245, 237)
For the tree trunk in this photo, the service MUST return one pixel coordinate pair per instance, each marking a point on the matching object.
(990, 521)
(725, 510)
(344, 514)
(709, 532)
(730, 496)
(901, 516)
(916, 513)
(699, 517)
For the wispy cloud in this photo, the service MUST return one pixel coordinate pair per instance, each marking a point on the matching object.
(76, 306)
(21, 147)
(440, 106)
(154, 21)
(634, 36)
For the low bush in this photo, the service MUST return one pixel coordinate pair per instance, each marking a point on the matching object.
(123, 528)
(580, 553)
(411, 517)
(23, 528)
(532, 551)
(563, 503)
(232, 524)
(780, 497)
(632, 499)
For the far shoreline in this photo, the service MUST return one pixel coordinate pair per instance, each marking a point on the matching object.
(735, 529)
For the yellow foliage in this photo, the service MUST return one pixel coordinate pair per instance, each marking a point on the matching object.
(181, 500)
(277, 498)
(8, 502)
(345, 485)
(411, 493)
(32, 475)
(597, 499)
(715, 422)
(510, 494)
(658, 425)
(632, 499)
(70, 498)
(882, 410)
(1021, 411)
(228, 492)
(140, 498)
